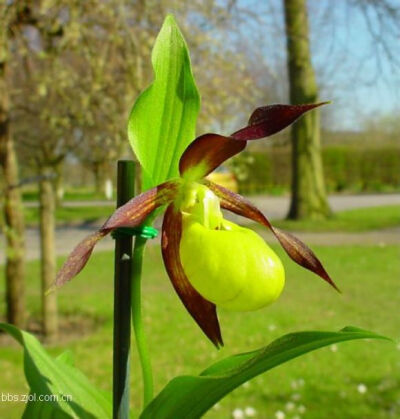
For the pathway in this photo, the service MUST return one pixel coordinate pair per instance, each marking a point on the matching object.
(273, 207)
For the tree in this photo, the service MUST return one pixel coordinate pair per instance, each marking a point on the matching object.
(308, 199)
(43, 116)
(13, 228)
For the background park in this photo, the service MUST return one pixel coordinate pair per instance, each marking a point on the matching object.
(69, 74)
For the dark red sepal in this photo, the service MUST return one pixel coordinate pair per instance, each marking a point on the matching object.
(78, 258)
(135, 211)
(132, 214)
(268, 120)
(209, 151)
(203, 312)
(294, 247)
(206, 153)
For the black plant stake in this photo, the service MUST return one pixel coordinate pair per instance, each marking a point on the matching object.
(122, 297)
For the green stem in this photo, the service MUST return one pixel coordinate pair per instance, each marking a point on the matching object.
(137, 264)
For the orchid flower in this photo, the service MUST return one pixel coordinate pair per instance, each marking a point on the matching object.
(210, 261)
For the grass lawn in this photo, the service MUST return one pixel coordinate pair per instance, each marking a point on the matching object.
(75, 194)
(71, 215)
(360, 219)
(325, 384)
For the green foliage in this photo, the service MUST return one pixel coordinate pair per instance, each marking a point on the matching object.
(354, 220)
(163, 120)
(71, 194)
(190, 396)
(367, 275)
(161, 125)
(66, 390)
(345, 169)
(71, 215)
(362, 169)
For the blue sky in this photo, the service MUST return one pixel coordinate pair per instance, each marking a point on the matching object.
(352, 67)
(363, 77)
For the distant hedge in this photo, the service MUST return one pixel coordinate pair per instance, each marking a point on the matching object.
(345, 168)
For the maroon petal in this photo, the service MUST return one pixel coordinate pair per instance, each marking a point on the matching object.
(202, 311)
(78, 258)
(132, 214)
(294, 247)
(269, 120)
(206, 153)
(209, 151)
(135, 211)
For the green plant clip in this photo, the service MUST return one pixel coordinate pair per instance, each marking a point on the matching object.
(147, 232)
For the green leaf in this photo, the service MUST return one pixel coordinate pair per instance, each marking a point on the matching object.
(57, 379)
(163, 120)
(191, 396)
(67, 357)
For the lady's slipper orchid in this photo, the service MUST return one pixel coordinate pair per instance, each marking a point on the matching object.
(230, 266)
(211, 261)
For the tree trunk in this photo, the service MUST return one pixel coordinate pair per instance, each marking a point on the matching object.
(58, 184)
(308, 194)
(47, 257)
(103, 182)
(98, 178)
(13, 214)
(108, 184)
